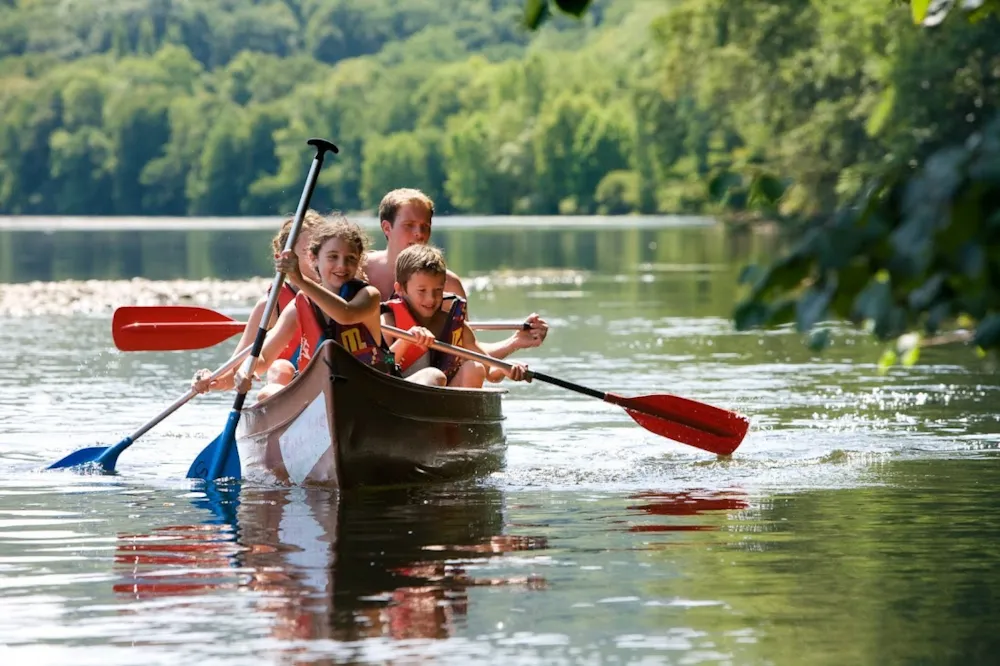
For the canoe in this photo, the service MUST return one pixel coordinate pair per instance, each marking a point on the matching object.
(342, 424)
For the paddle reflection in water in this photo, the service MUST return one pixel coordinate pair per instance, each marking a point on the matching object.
(389, 563)
(686, 503)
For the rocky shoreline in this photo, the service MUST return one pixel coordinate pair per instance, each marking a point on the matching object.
(101, 297)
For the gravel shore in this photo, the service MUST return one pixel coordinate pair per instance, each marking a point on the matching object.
(101, 297)
(96, 297)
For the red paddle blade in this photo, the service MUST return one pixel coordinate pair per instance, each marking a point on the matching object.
(170, 328)
(686, 421)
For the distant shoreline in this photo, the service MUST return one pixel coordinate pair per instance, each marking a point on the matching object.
(53, 223)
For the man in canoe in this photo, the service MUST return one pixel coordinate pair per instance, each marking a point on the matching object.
(405, 217)
(425, 310)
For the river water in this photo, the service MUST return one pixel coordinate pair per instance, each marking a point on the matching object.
(856, 524)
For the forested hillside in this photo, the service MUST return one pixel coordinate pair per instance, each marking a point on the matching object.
(196, 107)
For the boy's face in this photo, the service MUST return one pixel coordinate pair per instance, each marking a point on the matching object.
(412, 227)
(424, 292)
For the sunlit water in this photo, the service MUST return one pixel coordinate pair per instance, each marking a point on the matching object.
(856, 524)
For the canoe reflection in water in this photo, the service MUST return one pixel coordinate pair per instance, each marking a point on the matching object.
(378, 563)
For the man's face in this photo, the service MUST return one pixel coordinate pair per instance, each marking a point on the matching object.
(412, 227)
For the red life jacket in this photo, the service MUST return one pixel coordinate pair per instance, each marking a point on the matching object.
(356, 338)
(285, 297)
(408, 354)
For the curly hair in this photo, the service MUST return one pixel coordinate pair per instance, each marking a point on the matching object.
(336, 225)
(310, 221)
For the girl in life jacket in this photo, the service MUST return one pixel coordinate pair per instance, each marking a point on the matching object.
(425, 311)
(283, 370)
(340, 307)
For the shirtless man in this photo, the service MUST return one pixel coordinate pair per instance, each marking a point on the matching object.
(405, 216)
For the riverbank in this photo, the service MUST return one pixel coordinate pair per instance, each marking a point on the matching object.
(52, 223)
(101, 297)
(94, 297)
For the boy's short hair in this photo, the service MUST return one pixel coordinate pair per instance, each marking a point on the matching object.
(419, 259)
(393, 201)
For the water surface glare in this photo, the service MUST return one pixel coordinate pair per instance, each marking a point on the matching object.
(856, 524)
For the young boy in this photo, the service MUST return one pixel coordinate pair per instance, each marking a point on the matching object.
(405, 216)
(427, 312)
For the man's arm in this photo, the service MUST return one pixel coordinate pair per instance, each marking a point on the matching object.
(523, 339)
(453, 283)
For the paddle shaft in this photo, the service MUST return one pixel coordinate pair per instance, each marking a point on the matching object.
(106, 457)
(181, 401)
(183, 327)
(231, 328)
(612, 398)
(470, 355)
(499, 326)
(222, 451)
(279, 277)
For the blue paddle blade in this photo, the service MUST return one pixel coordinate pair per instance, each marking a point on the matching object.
(81, 457)
(104, 457)
(109, 458)
(221, 458)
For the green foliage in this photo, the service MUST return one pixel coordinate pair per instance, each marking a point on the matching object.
(175, 106)
(693, 106)
(537, 12)
(918, 248)
(405, 157)
(915, 250)
(928, 13)
(618, 193)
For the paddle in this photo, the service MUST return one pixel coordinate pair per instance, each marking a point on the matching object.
(107, 456)
(686, 421)
(221, 458)
(184, 327)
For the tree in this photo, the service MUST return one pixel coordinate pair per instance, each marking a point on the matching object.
(138, 128)
(917, 243)
(537, 12)
(916, 252)
(411, 159)
(224, 173)
(617, 193)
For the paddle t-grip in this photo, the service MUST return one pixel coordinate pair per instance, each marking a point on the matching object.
(322, 147)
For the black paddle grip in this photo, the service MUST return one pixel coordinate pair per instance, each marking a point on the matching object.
(322, 147)
(549, 379)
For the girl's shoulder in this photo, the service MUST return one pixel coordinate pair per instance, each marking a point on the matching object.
(452, 303)
(354, 289)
